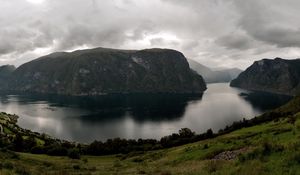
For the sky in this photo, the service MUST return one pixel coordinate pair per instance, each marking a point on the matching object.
(216, 33)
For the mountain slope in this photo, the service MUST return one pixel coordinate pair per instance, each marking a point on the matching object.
(276, 76)
(100, 70)
(214, 76)
(5, 74)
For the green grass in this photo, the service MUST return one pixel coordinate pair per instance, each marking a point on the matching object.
(7, 131)
(272, 148)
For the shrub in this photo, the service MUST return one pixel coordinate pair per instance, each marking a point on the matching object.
(85, 160)
(74, 154)
(255, 154)
(29, 143)
(76, 167)
(8, 165)
(166, 173)
(266, 148)
(13, 155)
(138, 159)
(18, 143)
(37, 150)
(142, 172)
(57, 150)
(293, 159)
(213, 165)
(22, 170)
(117, 164)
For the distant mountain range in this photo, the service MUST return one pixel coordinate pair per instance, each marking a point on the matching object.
(100, 71)
(271, 75)
(214, 76)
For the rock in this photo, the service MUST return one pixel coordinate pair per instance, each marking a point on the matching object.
(275, 76)
(101, 71)
(230, 155)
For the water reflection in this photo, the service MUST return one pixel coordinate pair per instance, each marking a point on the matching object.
(141, 107)
(264, 101)
(85, 119)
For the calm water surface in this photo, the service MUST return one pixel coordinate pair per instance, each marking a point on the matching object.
(86, 119)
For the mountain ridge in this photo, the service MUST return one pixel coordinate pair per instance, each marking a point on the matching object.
(271, 75)
(100, 71)
(214, 76)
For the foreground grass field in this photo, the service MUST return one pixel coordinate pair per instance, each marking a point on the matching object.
(268, 148)
(271, 147)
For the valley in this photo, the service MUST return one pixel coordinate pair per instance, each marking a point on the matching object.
(139, 87)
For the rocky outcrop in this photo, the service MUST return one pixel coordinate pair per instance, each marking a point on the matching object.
(275, 76)
(230, 155)
(100, 71)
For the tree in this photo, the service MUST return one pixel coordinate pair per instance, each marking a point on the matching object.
(209, 133)
(29, 143)
(18, 142)
(186, 133)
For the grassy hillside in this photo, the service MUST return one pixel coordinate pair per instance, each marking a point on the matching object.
(272, 147)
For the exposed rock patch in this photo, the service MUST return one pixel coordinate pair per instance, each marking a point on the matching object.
(230, 155)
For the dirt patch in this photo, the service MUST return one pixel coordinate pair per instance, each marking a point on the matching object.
(230, 155)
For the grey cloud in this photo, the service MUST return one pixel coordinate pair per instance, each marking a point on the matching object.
(236, 40)
(281, 37)
(215, 32)
(264, 22)
(162, 42)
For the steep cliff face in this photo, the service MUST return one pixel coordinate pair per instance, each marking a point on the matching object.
(5, 75)
(276, 76)
(100, 70)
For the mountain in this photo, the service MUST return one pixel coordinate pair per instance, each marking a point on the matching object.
(271, 75)
(214, 76)
(100, 70)
(5, 73)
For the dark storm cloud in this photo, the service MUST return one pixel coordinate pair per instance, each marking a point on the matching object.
(214, 32)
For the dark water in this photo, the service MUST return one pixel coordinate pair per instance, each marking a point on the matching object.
(85, 119)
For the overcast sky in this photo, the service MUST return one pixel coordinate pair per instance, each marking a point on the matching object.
(217, 33)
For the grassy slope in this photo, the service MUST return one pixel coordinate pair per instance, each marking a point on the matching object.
(268, 148)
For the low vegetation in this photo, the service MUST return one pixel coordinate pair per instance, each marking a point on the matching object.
(17, 139)
(270, 146)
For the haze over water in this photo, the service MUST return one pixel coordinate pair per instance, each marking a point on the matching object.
(85, 119)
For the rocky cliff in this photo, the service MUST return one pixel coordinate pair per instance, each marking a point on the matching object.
(5, 75)
(271, 75)
(100, 70)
